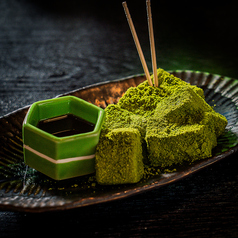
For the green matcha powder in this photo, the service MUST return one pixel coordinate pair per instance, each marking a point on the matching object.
(152, 129)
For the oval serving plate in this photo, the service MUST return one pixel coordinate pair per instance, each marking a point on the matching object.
(24, 189)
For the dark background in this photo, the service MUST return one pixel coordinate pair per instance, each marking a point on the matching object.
(48, 47)
(51, 47)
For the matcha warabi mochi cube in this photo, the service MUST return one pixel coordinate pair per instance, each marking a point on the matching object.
(183, 128)
(119, 157)
(175, 144)
(215, 121)
(118, 117)
(183, 107)
(143, 99)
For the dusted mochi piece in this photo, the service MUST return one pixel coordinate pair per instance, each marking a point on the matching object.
(183, 107)
(183, 127)
(143, 99)
(116, 117)
(171, 84)
(120, 118)
(174, 144)
(216, 122)
(119, 157)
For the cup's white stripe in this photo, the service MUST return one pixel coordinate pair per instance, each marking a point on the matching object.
(61, 161)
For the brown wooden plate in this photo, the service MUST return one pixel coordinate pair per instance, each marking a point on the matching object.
(25, 189)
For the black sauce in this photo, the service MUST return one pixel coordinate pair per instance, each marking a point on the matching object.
(65, 125)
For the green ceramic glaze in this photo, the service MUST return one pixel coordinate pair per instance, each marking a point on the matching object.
(61, 157)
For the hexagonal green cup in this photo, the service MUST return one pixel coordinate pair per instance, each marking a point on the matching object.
(61, 157)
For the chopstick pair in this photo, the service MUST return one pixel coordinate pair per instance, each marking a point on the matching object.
(137, 43)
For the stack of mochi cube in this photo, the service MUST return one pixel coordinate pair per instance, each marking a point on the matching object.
(157, 126)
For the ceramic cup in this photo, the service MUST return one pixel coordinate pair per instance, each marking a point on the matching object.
(61, 157)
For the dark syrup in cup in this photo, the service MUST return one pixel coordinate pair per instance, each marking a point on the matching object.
(65, 125)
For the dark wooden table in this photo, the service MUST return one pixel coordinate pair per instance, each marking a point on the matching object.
(51, 47)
